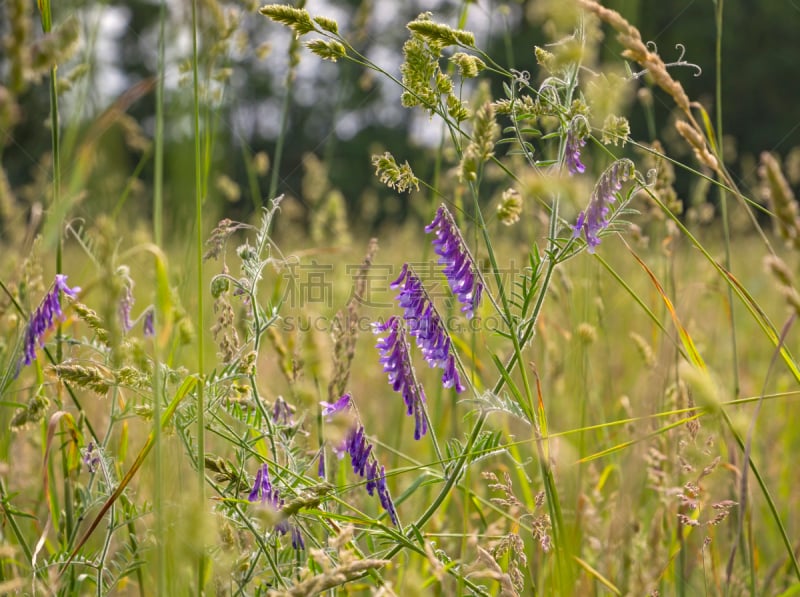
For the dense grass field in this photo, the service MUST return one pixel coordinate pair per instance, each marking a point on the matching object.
(544, 353)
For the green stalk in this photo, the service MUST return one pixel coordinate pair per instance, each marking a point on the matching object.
(198, 180)
(723, 197)
(287, 102)
(47, 26)
(158, 213)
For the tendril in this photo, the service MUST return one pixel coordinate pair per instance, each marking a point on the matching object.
(652, 47)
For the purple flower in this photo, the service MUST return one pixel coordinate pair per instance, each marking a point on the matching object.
(264, 492)
(426, 326)
(385, 498)
(124, 309)
(281, 413)
(596, 217)
(575, 141)
(366, 466)
(321, 465)
(297, 539)
(91, 457)
(44, 318)
(459, 267)
(148, 327)
(329, 409)
(396, 362)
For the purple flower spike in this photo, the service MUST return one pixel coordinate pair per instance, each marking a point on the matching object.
(596, 217)
(386, 499)
(425, 325)
(459, 267)
(45, 316)
(366, 466)
(396, 362)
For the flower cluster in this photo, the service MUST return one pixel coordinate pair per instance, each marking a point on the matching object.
(595, 219)
(360, 450)
(264, 492)
(426, 326)
(396, 362)
(362, 458)
(459, 267)
(44, 317)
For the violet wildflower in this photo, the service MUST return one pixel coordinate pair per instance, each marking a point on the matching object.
(385, 498)
(427, 327)
(264, 492)
(148, 326)
(297, 539)
(91, 457)
(366, 466)
(281, 412)
(575, 141)
(321, 464)
(459, 267)
(396, 361)
(596, 217)
(44, 318)
(331, 408)
(124, 308)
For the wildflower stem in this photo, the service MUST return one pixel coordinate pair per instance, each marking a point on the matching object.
(198, 180)
(287, 102)
(158, 211)
(723, 199)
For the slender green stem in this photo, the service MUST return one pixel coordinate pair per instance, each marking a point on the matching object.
(158, 214)
(198, 181)
(287, 102)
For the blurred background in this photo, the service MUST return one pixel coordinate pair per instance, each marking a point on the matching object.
(337, 115)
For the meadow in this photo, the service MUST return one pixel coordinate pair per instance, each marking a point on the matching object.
(546, 350)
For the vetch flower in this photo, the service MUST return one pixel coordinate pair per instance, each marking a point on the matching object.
(573, 152)
(281, 412)
(366, 466)
(331, 408)
(396, 362)
(264, 492)
(426, 326)
(595, 218)
(124, 309)
(44, 318)
(321, 464)
(297, 539)
(91, 457)
(148, 327)
(459, 267)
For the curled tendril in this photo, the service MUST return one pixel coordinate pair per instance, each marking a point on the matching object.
(521, 76)
(549, 92)
(649, 180)
(651, 45)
